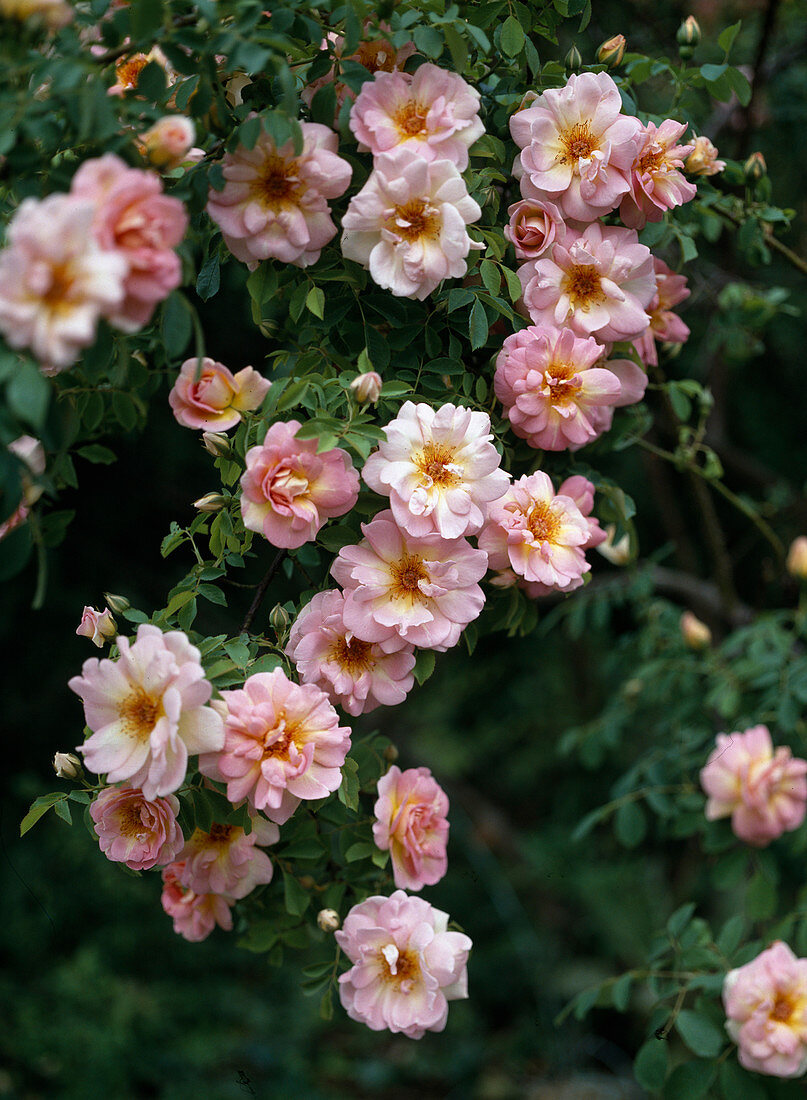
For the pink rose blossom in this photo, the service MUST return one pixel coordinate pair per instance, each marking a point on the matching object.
(598, 283)
(55, 281)
(282, 743)
(539, 534)
(433, 112)
(411, 822)
(656, 185)
(134, 219)
(423, 589)
(577, 148)
(533, 227)
(168, 143)
(147, 711)
(140, 832)
(764, 792)
(554, 386)
(274, 203)
(358, 676)
(98, 626)
(766, 1005)
(208, 396)
(289, 491)
(702, 161)
(407, 225)
(227, 860)
(439, 468)
(665, 326)
(406, 965)
(194, 915)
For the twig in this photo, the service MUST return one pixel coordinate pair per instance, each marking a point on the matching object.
(261, 591)
(774, 242)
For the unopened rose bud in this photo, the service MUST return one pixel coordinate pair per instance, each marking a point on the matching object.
(217, 444)
(618, 553)
(169, 141)
(797, 558)
(755, 168)
(689, 33)
(573, 59)
(696, 634)
(702, 161)
(328, 920)
(367, 387)
(612, 51)
(98, 626)
(390, 754)
(116, 603)
(67, 765)
(279, 619)
(210, 502)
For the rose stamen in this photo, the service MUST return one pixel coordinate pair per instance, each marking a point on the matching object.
(583, 286)
(414, 221)
(353, 655)
(407, 573)
(578, 143)
(277, 184)
(435, 462)
(543, 523)
(139, 714)
(411, 119)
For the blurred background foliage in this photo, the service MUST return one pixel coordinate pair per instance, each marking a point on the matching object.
(532, 736)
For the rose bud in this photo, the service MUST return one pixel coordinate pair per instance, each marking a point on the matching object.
(612, 51)
(169, 141)
(696, 634)
(797, 558)
(210, 502)
(328, 920)
(217, 444)
(67, 765)
(367, 387)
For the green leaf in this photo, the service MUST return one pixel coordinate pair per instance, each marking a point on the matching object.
(630, 824)
(725, 39)
(739, 85)
(760, 900)
(428, 41)
(699, 1033)
(424, 665)
(680, 919)
(293, 394)
(315, 301)
(209, 278)
(690, 1081)
(491, 276)
(348, 793)
(295, 897)
(94, 452)
(62, 809)
(326, 1005)
(28, 395)
(175, 325)
(738, 1084)
(513, 284)
(39, 807)
(512, 39)
(359, 850)
(650, 1066)
(457, 47)
(145, 17)
(478, 325)
(731, 934)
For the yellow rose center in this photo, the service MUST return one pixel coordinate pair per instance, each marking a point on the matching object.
(433, 462)
(415, 220)
(354, 656)
(543, 523)
(406, 575)
(277, 184)
(578, 143)
(411, 119)
(583, 286)
(139, 714)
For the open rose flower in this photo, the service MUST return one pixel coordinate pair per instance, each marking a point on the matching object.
(208, 396)
(56, 282)
(764, 792)
(134, 219)
(356, 675)
(227, 860)
(411, 822)
(439, 468)
(406, 965)
(137, 831)
(666, 327)
(656, 184)
(147, 711)
(766, 1006)
(289, 491)
(539, 534)
(274, 203)
(577, 147)
(282, 743)
(598, 282)
(423, 589)
(554, 385)
(702, 161)
(433, 112)
(407, 225)
(194, 915)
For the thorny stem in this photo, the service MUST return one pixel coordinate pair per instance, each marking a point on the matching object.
(261, 591)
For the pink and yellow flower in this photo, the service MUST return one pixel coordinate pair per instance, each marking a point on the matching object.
(766, 1006)
(289, 491)
(55, 281)
(406, 965)
(358, 676)
(282, 743)
(227, 860)
(147, 711)
(702, 161)
(577, 147)
(764, 792)
(539, 534)
(554, 386)
(433, 112)
(194, 915)
(407, 225)
(439, 469)
(208, 396)
(424, 590)
(598, 283)
(274, 203)
(169, 142)
(98, 626)
(137, 831)
(656, 184)
(665, 326)
(411, 822)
